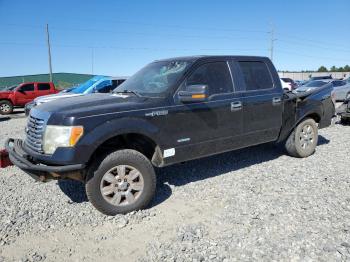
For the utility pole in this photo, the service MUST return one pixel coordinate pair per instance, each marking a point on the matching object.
(272, 32)
(49, 50)
(92, 60)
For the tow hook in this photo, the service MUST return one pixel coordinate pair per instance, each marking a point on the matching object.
(5, 159)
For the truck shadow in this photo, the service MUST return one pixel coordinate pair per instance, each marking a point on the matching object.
(192, 171)
(75, 190)
(2, 119)
(196, 170)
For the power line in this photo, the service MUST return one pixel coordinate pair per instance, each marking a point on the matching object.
(290, 36)
(145, 34)
(131, 48)
(157, 25)
(311, 56)
(315, 46)
(296, 38)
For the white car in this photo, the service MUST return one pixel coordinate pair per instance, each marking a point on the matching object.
(286, 86)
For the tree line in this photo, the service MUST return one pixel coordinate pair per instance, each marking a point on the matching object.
(334, 69)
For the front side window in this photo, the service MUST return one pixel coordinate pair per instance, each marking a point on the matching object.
(215, 75)
(43, 87)
(154, 79)
(104, 87)
(256, 75)
(27, 87)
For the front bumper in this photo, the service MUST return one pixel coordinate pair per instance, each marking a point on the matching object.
(37, 170)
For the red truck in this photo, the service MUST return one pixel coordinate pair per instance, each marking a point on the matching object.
(18, 96)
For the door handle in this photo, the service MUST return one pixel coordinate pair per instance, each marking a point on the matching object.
(276, 100)
(235, 106)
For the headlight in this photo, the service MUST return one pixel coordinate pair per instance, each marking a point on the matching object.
(61, 136)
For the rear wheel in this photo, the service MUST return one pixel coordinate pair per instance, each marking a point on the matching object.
(303, 140)
(122, 182)
(6, 107)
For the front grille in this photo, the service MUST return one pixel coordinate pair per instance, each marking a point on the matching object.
(35, 130)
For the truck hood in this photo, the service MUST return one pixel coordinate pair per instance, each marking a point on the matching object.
(5, 93)
(305, 89)
(320, 92)
(94, 105)
(49, 98)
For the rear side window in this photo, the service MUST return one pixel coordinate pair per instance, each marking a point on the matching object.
(215, 75)
(256, 75)
(339, 83)
(288, 80)
(27, 87)
(116, 83)
(42, 87)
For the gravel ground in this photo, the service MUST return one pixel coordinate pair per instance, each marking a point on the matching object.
(251, 204)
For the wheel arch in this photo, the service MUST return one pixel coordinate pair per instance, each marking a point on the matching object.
(131, 140)
(7, 99)
(287, 131)
(137, 134)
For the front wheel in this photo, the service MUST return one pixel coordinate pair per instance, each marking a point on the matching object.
(344, 120)
(122, 182)
(303, 140)
(6, 107)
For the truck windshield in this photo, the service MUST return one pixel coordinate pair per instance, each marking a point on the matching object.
(154, 79)
(83, 87)
(10, 88)
(315, 83)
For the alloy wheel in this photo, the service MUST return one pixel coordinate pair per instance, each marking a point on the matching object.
(122, 185)
(307, 136)
(5, 108)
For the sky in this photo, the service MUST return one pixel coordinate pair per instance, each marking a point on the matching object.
(119, 37)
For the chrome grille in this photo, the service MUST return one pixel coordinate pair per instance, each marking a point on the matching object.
(35, 130)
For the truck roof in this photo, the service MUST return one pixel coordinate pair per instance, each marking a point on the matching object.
(199, 57)
(35, 82)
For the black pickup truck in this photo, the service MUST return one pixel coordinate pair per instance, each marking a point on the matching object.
(170, 111)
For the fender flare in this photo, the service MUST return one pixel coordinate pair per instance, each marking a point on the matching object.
(100, 134)
(284, 134)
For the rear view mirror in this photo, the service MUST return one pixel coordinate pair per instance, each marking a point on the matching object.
(194, 93)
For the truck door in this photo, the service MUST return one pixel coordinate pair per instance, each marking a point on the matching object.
(24, 94)
(262, 102)
(43, 89)
(204, 128)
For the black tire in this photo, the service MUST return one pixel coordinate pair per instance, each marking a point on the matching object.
(127, 157)
(6, 107)
(344, 121)
(294, 143)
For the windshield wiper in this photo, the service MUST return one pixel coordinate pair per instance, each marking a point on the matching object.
(127, 92)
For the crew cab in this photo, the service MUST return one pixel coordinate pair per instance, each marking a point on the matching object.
(170, 111)
(22, 94)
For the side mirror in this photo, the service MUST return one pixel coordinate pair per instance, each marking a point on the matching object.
(194, 93)
(21, 91)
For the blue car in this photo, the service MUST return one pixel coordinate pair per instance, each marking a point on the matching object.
(97, 84)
